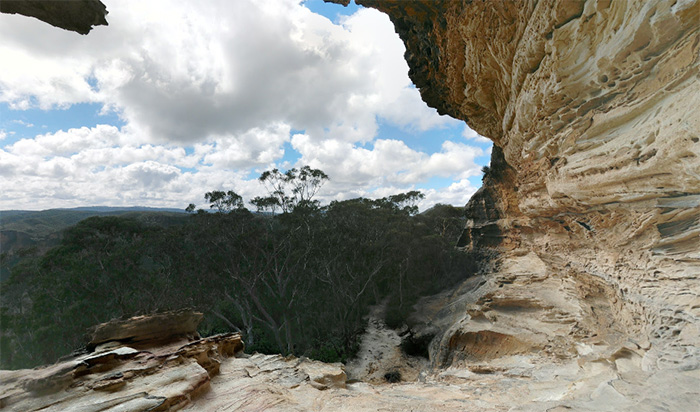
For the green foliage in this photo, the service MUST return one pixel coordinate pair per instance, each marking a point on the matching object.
(291, 189)
(403, 202)
(266, 204)
(447, 221)
(299, 282)
(34, 233)
(103, 268)
(224, 202)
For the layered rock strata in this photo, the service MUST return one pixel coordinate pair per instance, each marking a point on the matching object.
(591, 207)
(133, 365)
(166, 372)
(159, 363)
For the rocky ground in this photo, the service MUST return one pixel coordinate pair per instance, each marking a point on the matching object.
(149, 363)
(381, 357)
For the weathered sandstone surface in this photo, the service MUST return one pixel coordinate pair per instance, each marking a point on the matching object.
(156, 370)
(593, 107)
(591, 208)
(590, 213)
(145, 363)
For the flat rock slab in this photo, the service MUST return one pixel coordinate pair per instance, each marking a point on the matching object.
(144, 330)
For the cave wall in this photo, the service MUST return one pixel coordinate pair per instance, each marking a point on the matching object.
(594, 106)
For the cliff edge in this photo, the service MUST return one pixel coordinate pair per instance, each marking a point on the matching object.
(591, 206)
(596, 173)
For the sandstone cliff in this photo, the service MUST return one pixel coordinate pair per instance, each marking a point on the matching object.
(593, 109)
(592, 205)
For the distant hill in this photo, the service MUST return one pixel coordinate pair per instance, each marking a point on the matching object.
(36, 231)
(39, 224)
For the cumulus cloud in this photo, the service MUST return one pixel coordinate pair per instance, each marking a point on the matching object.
(149, 175)
(470, 134)
(188, 71)
(209, 92)
(253, 148)
(68, 142)
(105, 165)
(29, 80)
(388, 162)
(457, 193)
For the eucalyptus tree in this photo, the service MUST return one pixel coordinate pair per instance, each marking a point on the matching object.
(291, 189)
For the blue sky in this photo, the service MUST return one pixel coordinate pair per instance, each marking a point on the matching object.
(156, 109)
(332, 11)
(25, 124)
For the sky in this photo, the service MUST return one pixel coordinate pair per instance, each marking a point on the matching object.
(177, 98)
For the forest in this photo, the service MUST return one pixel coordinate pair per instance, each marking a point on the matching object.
(292, 276)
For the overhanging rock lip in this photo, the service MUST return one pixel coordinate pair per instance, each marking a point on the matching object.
(79, 16)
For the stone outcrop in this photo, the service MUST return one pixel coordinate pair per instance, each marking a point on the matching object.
(158, 363)
(591, 207)
(148, 331)
(212, 374)
(74, 15)
(591, 106)
(127, 367)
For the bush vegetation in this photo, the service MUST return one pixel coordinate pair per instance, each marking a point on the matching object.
(294, 278)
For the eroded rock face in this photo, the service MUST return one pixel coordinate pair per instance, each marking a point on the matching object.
(158, 372)
(591, 209)
(594, 105)
(148, 331)
(212, 374)
(159, 363)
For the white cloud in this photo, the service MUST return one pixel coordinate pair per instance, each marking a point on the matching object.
(68, 142)
(188, 71)
(210, 91)
(457, 193)
(10, 165)
(389, 167)
(253, 148)
(23, 123)
(470, 134)
(149, 174)
(104, 165)
(389, 162)
(26, 77)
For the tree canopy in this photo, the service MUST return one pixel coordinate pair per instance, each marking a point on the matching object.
(298, 282)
